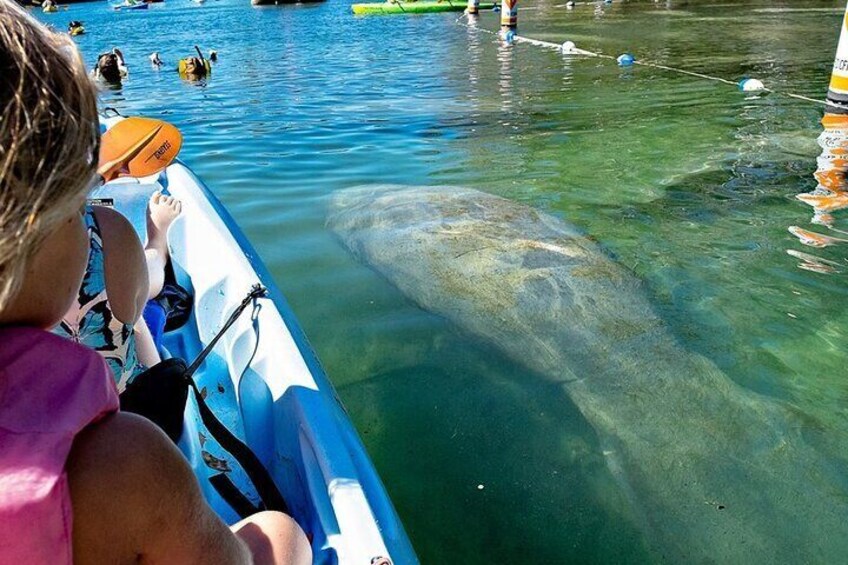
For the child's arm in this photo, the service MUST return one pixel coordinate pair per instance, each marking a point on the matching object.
(125, 265)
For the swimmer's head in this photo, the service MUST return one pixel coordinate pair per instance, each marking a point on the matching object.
(49, 141)
(108, 68)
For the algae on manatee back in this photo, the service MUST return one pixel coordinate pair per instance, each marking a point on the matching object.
(715, 472)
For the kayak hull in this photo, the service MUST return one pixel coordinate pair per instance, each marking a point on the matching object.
(265, 383)
(426, 7)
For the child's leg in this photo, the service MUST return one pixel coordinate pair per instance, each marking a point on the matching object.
(145, 349)
(156, 262)
(161, 212)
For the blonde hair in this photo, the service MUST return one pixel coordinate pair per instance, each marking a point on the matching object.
(49, 138)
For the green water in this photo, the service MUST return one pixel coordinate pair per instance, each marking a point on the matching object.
(684, 181)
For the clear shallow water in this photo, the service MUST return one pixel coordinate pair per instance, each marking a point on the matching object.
(684, 181)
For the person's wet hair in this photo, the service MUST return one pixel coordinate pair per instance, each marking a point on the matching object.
(108, 66)
(49, 138)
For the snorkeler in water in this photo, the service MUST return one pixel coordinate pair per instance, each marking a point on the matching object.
(196, 68)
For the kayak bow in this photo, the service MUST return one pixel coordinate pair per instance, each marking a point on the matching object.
(264, 382)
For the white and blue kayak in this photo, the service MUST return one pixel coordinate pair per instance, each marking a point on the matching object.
(264, 382)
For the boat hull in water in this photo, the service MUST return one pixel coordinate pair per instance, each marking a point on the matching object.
(265, 383)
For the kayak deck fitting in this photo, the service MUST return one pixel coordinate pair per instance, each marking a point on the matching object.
(264, 382)
(424, 7)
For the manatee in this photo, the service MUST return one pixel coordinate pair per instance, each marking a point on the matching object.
(713, 471)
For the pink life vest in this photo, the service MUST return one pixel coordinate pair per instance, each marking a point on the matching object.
(50, 389)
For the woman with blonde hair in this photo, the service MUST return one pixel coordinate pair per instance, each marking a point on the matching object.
(79, 481)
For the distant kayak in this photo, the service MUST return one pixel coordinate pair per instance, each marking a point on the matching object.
(50, 9)
(427, 7)
(138, 6)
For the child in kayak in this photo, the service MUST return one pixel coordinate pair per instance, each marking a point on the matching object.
(79, 481)
(119, 280)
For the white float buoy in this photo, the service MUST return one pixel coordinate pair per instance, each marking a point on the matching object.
(625, 60)
(750, 85)
(568, 47)
(570, 4)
